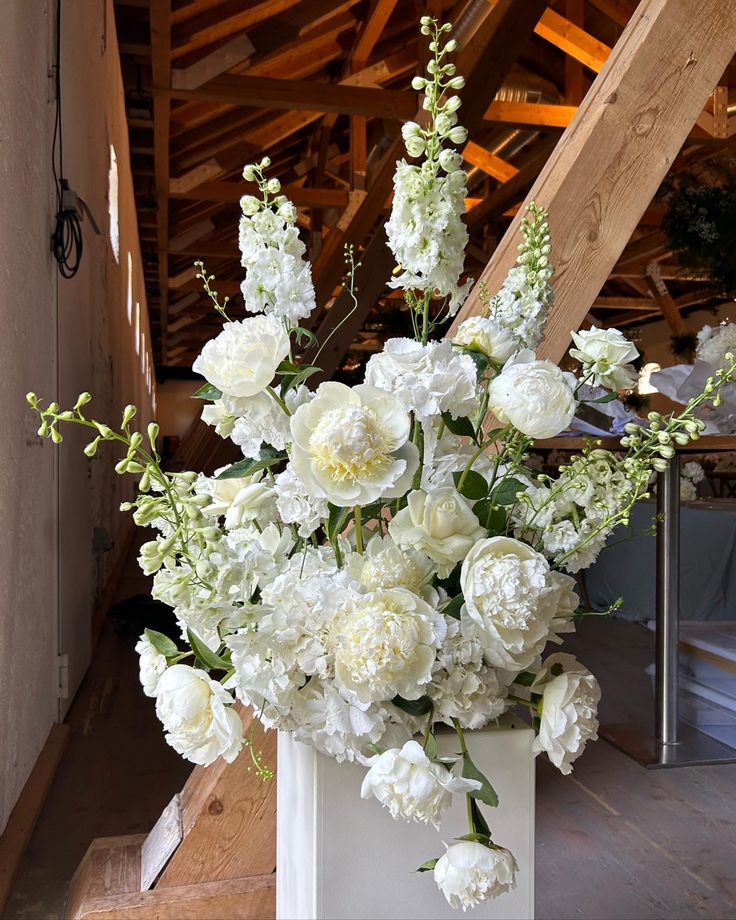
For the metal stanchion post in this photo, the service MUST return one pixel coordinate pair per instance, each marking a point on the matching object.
(668, 603)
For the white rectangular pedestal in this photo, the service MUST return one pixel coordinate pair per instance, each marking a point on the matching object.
(340, 857)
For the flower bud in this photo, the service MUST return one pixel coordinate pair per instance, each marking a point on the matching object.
(418, 83)
(273, 186)
(265, 162)
(136, 439)
(249, 173)
(659, 465)
(458, 135)
(153, 430)
(91, 449)
(250, 205)
(128, 415)
(457, 83)
(82, 400)
(32, 399)
(56, 436)
(121, 466)
(451, 46)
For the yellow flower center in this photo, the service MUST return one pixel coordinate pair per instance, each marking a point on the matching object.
(349, 444)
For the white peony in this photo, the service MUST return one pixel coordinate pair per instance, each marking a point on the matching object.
(411, 786)
(507, 591)
(242, 359)
(428, 379)
(569, 718)
(533, 396)
(483, 334)
(351, 445)
(606, 356)
(384, 643)
(470, 872)
(385, 565)
(195, 712)
(439, 523)
(152, 665)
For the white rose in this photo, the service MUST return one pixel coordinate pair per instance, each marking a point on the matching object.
(152, 665)
(569, 717)
(607, 355)
(385, 643)
(411, 786)
(481, 333)
(351, 445)
(533, 396)
(428, 379)
(440, 523)
(242, 359)
(509, 594)
(471, 872)
(195, 712)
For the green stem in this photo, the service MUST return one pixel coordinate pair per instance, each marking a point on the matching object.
(279, 400)
(358, 529)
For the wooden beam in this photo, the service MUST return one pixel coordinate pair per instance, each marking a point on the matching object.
(375, 22)
(225, 20)
(574, 76)
(618, 148)
(611, 302)
(488, 162)
(161, 74)
(234, 52)
(302, 197)
(538, 114)
(619, 11)
(573, 40)
(302, 95)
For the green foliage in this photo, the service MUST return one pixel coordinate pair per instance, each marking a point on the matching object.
(207, 392)
(161, 643)
(418, 707)
(269, 457)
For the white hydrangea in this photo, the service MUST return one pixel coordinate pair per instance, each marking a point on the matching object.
(463, 686)
(295, 505)
(428, 379)
(715, 342)
(260, 419)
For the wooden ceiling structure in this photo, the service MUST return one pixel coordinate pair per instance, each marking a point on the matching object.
(322, 87)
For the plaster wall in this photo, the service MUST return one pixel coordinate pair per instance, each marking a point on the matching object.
(59, 337)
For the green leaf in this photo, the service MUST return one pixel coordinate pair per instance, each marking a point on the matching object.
(336, 521)
(161, 643)
(459, 426)
(506, 491)
(492, 518)
(205, 654)
(486, 793)
(609, 397)
(525, 679)
(301, 334)
(207, 392)
(482, 361)
(493, 434)
(428, 866)
(474, 485)
(476, 838)
(418, 707)
(430, 746)
(269, 457)
(454, 607)
(479, 822)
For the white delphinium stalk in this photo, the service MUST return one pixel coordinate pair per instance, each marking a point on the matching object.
(522, 304)
(425, 230)
(277, 278)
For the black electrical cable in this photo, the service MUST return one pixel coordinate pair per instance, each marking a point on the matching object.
(66, 239)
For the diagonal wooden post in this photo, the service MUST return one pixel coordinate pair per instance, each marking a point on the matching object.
(611, 159)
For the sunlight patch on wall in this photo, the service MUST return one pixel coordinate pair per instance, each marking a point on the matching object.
(112, 205)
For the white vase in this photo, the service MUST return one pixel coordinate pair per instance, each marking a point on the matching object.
(340, 857)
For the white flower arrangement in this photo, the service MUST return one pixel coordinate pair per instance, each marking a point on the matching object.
(380, 561)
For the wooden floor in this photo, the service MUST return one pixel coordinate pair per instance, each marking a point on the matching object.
(614, 840)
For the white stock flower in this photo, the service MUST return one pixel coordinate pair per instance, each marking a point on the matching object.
(569, 717)
(428, 379)
(439, 523)
(384, 643)
(195, 712)
(606, 354)
(411, 786)
(483, 334)
(242, 359)
(470, 872)
(507, 592)
(533, 396)
(152, 665)
(385, 565)
(351, 445)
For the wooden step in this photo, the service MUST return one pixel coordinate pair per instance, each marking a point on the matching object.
(111, 867)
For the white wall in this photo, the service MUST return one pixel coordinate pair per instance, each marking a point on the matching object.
(52, 498)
